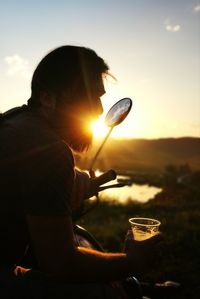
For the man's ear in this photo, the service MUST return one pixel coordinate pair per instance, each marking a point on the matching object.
(48, 100)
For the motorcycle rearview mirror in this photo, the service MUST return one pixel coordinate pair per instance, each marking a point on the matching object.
(117, 113)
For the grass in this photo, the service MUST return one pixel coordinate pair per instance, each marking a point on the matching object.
(178, 209)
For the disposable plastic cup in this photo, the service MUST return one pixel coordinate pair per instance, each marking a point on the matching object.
(144, 228)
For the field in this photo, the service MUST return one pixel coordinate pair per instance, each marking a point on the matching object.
(178, 209)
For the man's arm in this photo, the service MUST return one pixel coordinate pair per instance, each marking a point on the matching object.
(59, 258)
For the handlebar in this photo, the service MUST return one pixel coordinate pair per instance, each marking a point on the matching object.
(117, 185)
(100, 180)
(103, 178)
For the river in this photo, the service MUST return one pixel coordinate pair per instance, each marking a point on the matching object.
(135, 192)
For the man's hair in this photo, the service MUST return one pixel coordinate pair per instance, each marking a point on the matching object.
(67, 67)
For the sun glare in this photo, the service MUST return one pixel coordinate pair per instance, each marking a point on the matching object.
(99, 128)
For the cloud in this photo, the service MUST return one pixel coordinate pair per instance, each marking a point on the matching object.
(197, 8)
(173, 28)
(18, 66)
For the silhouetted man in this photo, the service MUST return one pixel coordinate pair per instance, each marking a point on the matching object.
(40, 186)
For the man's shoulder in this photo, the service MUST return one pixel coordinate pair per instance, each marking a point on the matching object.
(29, 124)
(31, 135)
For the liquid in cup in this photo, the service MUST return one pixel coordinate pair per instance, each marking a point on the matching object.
(144, 228)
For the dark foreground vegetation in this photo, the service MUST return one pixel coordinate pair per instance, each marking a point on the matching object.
(178, 209)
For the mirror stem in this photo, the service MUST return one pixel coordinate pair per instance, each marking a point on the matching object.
(91, 171)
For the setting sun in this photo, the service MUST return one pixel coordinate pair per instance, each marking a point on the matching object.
(99, 128)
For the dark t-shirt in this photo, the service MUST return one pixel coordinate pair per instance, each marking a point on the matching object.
(36, 177)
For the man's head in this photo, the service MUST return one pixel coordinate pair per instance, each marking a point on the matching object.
(68, 82)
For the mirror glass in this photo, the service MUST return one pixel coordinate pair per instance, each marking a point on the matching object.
(118, 112)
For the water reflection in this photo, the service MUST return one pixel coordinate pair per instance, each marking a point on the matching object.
(135, 192)
(140, 193)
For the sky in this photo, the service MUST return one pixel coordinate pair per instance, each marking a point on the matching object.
(151, 46)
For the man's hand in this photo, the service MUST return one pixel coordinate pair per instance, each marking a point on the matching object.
(86, 187)
(142, 254)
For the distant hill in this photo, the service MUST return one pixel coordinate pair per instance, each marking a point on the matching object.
(145, 155)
